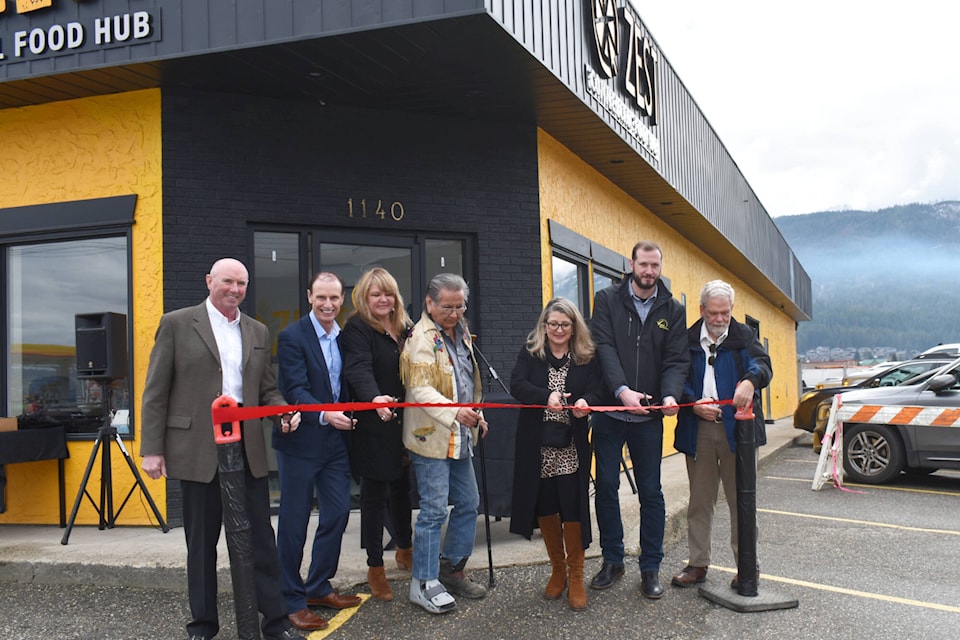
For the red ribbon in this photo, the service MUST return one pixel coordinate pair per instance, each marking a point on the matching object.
(232, 414)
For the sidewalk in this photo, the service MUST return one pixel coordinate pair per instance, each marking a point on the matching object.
(145, 557)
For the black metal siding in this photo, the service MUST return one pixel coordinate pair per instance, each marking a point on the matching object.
(202, 26)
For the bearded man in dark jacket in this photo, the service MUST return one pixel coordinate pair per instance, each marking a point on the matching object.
(640, 333)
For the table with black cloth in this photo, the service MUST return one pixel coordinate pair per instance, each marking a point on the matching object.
(33, 445)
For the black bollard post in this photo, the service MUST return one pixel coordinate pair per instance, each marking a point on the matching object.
(236, 522)
(746, 468)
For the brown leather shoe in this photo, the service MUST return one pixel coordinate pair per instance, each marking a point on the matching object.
(334, 600)
(307, 620)
(689, 576)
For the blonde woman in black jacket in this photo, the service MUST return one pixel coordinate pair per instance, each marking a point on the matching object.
(371, 342)
(556, 368)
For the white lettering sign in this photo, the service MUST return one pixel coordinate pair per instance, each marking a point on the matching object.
(124, 28)
(621, 111)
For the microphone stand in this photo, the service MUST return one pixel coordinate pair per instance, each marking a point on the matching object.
(483, 473)
(493, 372)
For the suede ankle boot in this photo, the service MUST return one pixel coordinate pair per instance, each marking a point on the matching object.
(576, 593)
(404, 558)
(379, 587)
(552, 534)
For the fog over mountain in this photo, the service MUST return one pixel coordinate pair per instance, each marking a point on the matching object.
(880, 278)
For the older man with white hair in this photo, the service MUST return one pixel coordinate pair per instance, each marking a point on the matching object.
(727, 362)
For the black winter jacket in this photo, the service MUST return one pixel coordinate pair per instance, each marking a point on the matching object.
(651, 357)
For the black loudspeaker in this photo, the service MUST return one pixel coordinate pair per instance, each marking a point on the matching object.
(101, 345)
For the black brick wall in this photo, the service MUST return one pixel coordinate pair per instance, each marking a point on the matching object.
(233, 160)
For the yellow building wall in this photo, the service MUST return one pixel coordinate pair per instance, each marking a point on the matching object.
(578, 197)
(77, 150)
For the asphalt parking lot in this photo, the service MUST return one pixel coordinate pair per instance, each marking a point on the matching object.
(872, 561)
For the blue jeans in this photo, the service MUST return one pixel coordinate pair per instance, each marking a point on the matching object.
(440, 482)
(645, 443)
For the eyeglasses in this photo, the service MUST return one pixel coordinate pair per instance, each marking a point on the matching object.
(713, 350)
(559, 326)
(447, 310)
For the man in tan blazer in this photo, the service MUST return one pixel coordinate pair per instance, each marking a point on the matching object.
(200, 353)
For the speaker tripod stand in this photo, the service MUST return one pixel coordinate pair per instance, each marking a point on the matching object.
(108, 517)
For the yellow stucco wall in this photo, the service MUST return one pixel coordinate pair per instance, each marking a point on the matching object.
(578, 197)
(78, 150)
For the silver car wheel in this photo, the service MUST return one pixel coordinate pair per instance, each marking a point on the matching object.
(872, 453)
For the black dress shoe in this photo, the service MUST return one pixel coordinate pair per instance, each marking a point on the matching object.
(607, 575)
(650, 584)
(288, 634)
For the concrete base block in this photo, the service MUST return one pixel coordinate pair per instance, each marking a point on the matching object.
(765, 600)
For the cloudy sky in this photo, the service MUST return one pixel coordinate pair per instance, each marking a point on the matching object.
(824, 105)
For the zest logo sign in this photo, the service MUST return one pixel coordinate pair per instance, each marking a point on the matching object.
(636, 62)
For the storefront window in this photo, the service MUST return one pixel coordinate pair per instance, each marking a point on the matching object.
(566, 281)
(602, 280)
(47, 286)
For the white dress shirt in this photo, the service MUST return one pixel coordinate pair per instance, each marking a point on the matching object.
(230, 345)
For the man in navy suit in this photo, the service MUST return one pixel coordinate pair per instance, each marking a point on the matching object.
(314, 457)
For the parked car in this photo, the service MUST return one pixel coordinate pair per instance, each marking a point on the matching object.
(878, 453)
(814, 406)
(951, 350)
(852, 377)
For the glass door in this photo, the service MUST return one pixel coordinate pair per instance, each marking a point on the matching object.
(285, 261)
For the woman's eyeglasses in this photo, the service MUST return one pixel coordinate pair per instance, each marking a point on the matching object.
(559, 326)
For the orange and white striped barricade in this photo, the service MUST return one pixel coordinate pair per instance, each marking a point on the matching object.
(830, 464)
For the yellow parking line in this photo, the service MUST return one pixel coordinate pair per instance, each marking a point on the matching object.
(805, 480)
(853, 592)
(906, 489)
(864, 522)
(338, 620)
(877, 487)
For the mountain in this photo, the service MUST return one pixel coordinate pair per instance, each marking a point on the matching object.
(884, 278)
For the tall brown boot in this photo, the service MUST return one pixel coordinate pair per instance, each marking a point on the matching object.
(405, 558)
(379, 587)
(553, 539)
(576, 594)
